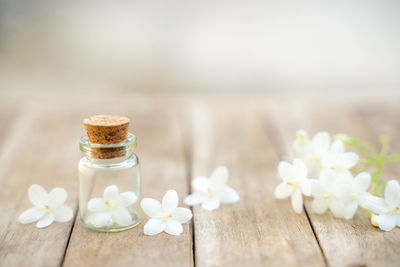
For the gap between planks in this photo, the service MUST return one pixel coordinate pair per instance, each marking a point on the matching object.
(278, 144)
(257, 230)
(353, 242)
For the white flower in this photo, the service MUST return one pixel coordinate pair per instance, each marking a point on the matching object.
(111, 208)
(49, 207)
(166, 216)
(355, 192)
(213, 191)
(312, 151)
(295, 183)
(338, 160)
(329, 191)
(388, 209)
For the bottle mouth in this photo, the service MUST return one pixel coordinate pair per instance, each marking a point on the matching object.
(108, 151)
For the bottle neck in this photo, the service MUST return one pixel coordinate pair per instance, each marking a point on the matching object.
(108, 153)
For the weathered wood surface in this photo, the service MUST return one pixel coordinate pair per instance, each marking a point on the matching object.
(343, 242)
(259, 230)
(180, 138)
(163, 168)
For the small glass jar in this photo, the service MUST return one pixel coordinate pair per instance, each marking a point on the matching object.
(110, 185)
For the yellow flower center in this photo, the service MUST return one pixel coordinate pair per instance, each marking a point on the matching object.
(335, 168)
(317, 158)
(109, 205)
(353, 196)
(47, 208)
(394, 209)
(292, 183)
(167, 216)
(210, 192)
(327, 195)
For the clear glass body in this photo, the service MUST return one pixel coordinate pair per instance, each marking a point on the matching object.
(110, 186)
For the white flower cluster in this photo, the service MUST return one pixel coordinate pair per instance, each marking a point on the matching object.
(334, 188)
(112, 208)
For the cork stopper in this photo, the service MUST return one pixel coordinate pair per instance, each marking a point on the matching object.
(107, 130)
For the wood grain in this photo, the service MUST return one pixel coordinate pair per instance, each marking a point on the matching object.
(250, 135)
(345, 243)
(163, 168)
(259, 230)
(38, 154)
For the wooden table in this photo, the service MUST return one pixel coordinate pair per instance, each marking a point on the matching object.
(181, 137)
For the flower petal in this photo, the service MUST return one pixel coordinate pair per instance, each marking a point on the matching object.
(211, 203)
(103, 219)
(322, 141)
(62, 214)
(285, 170)
(327, 176)
(111, 193)
(201, 184)
(349, 160)
(194, 199)
(57, 197)
(228, 195)
(305, 187)
(122, 216)
(363, 180)
(392, 193)
(31, 215)
(299, 169)
(350, 209)
(219, 177)
(336, 207)
(45, 221)
(375, 204)
(151, 207)
(387, 221)
(182, 215)
(154, 226)
(126, 199)
(283, 190)
(38, 196)
(317, 189)
(319, 205)
(96, 204)
(297, 201)
(337, 147)
(170, 201)
(173, 227)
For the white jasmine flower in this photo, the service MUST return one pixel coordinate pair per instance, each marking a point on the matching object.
(295, 183)
(388, 209)
(165, 216)
(338, 160)
(49, 207)
(111, 208)
(329, 192)
(211, 192)
(355, 192)
(312, 151)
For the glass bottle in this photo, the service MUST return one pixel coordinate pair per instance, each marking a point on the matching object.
(110, 185)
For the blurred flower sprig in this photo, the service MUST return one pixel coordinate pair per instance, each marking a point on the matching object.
(372, 159)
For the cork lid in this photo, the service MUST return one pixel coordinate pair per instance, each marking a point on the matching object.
(106, 129)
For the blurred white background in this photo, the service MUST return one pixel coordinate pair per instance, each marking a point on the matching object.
(66, 47)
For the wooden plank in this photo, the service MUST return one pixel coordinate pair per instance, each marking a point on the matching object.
(163, 167)
(259, 230)
(40, 153)
(345, 243)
